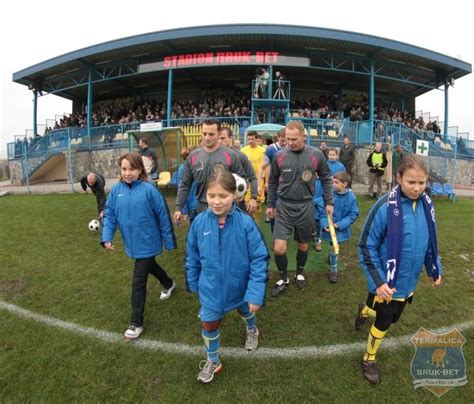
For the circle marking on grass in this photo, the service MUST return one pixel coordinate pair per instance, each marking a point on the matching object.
(197, 350)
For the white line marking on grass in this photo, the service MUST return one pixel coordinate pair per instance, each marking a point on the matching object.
(262, 353)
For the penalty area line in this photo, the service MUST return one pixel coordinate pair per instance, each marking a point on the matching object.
(321, 351)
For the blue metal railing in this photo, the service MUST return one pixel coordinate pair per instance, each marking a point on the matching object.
(442, 154)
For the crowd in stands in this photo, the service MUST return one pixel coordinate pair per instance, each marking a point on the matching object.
(219, 104)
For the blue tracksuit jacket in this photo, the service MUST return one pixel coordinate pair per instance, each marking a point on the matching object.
(345, 214)
(141, 213)
(228, 266)
(415, 247)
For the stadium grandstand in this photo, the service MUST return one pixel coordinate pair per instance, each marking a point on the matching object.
(164, 84)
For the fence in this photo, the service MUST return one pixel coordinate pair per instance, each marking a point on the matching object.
(443, 151)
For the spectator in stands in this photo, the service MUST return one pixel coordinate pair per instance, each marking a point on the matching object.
(257, 92)
(264, 82)
(96, 182)
(347, 156)
(150, 159)
(377, 161)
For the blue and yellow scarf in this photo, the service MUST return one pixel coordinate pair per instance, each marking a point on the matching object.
(395, 234)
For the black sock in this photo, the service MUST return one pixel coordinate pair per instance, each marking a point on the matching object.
(301, 258)
(281, 262)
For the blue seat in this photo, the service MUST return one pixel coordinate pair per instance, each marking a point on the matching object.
(448, 190)
(437, 189)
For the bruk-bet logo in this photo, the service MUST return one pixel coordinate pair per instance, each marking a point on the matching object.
(438, 363)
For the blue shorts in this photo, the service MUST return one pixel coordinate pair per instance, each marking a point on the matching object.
(208, 315)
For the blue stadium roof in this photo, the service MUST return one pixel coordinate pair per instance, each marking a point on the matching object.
(400, 59)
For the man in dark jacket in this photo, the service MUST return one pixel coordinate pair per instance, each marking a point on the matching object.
(96, 183)
(347, 156)
(150, 159)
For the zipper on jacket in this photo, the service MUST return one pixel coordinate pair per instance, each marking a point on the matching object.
(129, 189)
(221, 273)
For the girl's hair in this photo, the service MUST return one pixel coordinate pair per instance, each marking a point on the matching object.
(136, 162)
(222, 177)
(343, 176)
(412, 161)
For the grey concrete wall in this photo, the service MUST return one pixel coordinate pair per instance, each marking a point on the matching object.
(463, 175)
(104, 162)
(4, 170)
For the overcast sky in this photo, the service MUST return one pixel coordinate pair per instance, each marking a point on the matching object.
(32, 32)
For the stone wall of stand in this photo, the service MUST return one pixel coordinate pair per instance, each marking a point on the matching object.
(103, 162)
(463, 176)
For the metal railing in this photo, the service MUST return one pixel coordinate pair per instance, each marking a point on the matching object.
(442, 154)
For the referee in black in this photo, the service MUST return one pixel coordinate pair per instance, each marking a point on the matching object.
(290, 199)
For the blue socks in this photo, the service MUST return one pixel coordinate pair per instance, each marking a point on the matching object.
(211, 342)
(333, 260)
(249, 319)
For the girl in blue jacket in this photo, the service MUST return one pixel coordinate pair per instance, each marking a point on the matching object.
(140, 212)
(398, 239)
(345, 214)
(227, 265)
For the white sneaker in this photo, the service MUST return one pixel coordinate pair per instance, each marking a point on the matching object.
(166, 293)
(251, 339)
(133, 332)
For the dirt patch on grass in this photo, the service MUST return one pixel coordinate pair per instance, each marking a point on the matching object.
(14, 287)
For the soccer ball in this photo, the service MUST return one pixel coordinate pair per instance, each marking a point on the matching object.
(241, 184)
(94, 225)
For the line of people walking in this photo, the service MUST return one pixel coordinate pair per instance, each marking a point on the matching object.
(299, 182)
